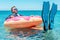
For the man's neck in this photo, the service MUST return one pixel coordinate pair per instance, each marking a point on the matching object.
(14, 13)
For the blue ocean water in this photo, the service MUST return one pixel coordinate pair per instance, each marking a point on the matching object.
(50, 35)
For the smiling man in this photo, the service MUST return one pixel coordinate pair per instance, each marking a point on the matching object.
(14, 11)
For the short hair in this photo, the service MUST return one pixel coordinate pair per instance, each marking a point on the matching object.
(12, 8)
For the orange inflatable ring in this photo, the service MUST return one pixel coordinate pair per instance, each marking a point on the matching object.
(23, 21)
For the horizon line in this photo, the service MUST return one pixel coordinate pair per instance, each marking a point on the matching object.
(24, 10)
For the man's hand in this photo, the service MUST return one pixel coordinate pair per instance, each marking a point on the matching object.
(12, 16)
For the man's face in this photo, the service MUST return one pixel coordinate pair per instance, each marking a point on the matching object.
(14, 10)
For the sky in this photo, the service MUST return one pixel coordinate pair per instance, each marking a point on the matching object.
(26, 4)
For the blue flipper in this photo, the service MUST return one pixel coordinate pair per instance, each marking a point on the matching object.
(52, 15)
(45, 15)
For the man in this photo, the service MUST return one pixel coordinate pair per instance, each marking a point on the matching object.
(14, 13)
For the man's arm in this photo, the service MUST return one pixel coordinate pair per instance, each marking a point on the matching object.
(10, 16)
(19, 15)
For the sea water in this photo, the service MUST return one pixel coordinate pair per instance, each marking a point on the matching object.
(50, 35)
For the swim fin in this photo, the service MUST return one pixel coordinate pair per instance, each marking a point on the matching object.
(52, 15)
(45, 15)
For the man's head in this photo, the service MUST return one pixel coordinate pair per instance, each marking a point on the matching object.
(14, 9)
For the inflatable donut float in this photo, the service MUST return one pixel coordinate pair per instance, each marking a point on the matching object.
(23, 21)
